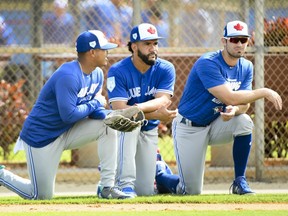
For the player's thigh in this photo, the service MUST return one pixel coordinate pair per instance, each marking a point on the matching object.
(223, 132)
(84, 132)
(146, 161)
(189, 140)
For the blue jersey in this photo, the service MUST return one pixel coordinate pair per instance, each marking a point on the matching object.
(64, 99)
(126, 83)
(210, 70)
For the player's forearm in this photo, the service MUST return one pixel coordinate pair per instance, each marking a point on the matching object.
(153, 105)
(151, 115)
(71, 114)
(246, 96)
(156, 115)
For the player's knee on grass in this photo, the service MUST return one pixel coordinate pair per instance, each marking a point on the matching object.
(44, 195)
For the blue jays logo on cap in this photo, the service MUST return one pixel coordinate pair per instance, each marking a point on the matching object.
(144, 31)
(93, 39)
(236, 28)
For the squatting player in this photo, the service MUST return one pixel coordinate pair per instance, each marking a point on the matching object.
(67, 115)
(147, 82)
(212, 111)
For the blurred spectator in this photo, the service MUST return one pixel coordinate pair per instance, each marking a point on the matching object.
(6, 33)
(154, 15)
(9, 71)
(6, 38)
(58, 28)
(197, 26)
(113, 17)
(58, 25)
(150, 4)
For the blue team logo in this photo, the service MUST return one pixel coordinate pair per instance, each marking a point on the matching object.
(111, 83)
(92, 44)
(134, 36)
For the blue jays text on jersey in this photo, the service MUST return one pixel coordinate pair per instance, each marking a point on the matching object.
(136, 92)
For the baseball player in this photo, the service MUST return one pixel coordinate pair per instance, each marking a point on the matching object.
(67, 115)
(146, 81)
(212, 111)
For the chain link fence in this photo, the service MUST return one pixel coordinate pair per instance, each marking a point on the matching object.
(36, 36)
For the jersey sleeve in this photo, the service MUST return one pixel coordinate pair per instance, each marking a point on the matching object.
(209, 73)
(247, 82)
(117, 90)
(167, 79)
(66, 97)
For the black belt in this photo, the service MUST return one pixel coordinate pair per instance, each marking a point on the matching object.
(190, 123)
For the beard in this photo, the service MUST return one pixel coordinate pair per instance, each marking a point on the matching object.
(235, 55)
(145, 58)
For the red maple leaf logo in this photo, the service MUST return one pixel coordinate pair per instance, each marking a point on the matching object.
(151, 30)
(238, 27)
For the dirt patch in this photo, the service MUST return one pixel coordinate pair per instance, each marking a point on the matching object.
(140, 207)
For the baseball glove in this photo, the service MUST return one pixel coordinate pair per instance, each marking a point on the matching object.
(125, 120)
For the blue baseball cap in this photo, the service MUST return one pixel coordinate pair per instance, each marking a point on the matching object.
(93, 39)
(143, 32)
(236, 28)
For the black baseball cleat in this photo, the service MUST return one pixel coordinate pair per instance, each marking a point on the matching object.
(241, 187)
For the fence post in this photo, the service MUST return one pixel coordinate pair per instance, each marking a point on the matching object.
(36, 31)
(136, 12)
(259, 83)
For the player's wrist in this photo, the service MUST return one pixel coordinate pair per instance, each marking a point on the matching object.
(95, 104)
(138, 105)
(236, 109)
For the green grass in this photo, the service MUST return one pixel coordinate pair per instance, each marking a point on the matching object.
(201, 199)
(94, 202)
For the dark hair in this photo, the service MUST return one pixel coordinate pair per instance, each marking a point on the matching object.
(129, 47)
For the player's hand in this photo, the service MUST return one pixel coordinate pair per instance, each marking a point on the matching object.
(165, 115)
(101, 99)
(275, 98)
(229, 113)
